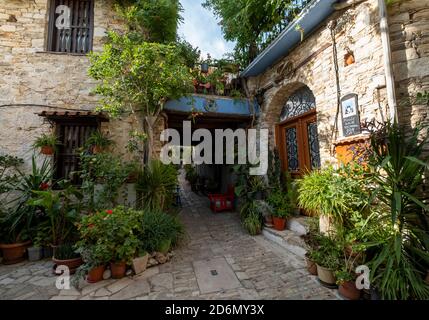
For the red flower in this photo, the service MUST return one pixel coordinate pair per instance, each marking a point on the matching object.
(44, 186)
(109, 211)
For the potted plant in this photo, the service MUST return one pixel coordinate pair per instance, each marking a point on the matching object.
(62, 210)
(311, 265)
(327, 258)
(66, 255)
(13, 244)
(121, 238)
(95, 258)
(47, 143)
(347, 285)
(281, 209)
(98, 142)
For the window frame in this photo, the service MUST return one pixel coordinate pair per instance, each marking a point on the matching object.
(51, 25)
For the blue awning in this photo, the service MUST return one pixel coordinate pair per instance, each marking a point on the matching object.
(311, 17)
(213, 105)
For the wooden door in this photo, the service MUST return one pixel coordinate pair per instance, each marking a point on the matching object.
(299, 145)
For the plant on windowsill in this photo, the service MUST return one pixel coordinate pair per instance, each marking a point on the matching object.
(98, 142)
(47, 143)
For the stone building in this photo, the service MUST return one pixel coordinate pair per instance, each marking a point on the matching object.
(324, 75)
(44, 84)
(317, 89)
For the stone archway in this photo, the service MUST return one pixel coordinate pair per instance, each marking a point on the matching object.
(292, 113)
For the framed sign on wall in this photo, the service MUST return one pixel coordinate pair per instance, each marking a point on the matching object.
(350, 115)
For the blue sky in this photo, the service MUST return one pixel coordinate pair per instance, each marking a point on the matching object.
(201, 29)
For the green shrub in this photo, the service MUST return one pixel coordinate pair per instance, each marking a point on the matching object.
(159, 227)
(157, 185)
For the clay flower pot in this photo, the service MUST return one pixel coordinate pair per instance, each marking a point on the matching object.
(326, 276)
(15, 252)
(311, 266)
(349, 291)
(279, 223)
(47, 150)
(96, 274)
(97, 149)
(118, 269)
(72, 264)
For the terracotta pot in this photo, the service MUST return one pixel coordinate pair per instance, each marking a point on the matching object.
(15, 252)
(325, 275)
(350, 59)
(349, 291)
(96, 274)
(311, 267)
(72, 264)
(97, 149)
(279, 223)
(47, 150)
(118, 269)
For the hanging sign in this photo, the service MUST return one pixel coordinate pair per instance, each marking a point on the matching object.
(350, 115)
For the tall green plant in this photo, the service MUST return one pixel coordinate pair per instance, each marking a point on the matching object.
(398, 166)
(157, 184)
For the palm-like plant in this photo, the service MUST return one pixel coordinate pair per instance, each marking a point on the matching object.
(157, 184)
(398, 166)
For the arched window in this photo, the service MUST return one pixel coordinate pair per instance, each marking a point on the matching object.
(300, 102)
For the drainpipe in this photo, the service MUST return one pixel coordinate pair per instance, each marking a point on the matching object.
(387, 55)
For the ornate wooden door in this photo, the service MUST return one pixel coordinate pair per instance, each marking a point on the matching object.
(297, 137)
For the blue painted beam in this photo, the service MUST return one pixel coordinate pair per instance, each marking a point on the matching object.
(309, 19)
(213, 104)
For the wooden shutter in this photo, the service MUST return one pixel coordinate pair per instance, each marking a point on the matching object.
(77, 39)
(72, 136)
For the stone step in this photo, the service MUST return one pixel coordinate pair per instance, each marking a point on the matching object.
(298, 225)
(287, 239)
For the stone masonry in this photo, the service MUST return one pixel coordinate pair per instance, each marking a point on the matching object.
(311, 63)
(33, 79)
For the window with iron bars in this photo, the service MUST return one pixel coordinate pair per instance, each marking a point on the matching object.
(71, 25)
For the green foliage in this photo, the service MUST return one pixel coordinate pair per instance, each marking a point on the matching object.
(253, 23)
(49, 140)
(157, 185)
(62, 209)
(21, 219)
(274, 169)
(252, 223)
(138, 76)
(99, 139)
(397, 168)
(103, 176)
(280, 204)
(152, 20)
(327, 254)
(332, 193)
(159, 227)
(65, 252)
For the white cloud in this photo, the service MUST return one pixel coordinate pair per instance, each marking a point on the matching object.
(201, 29)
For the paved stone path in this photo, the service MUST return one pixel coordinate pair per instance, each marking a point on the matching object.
(263, 270)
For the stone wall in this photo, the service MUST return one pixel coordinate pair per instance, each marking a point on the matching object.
(409, 35)
(32, 79)
(311, 63)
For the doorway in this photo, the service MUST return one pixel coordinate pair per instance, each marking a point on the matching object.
(297, 135)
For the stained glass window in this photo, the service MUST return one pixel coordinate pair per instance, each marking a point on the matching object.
(300, 102)
(313, 145)
(292, 149)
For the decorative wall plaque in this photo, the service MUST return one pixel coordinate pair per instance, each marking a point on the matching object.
(350, 115)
